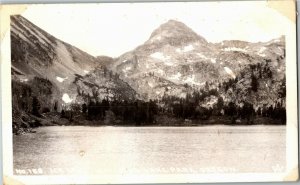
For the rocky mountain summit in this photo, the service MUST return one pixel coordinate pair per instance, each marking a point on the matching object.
(175, 60)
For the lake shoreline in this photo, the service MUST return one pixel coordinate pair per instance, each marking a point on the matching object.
(162, 126)
(22, 131)
(54, 119)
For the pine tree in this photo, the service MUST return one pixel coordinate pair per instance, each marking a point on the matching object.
(282, 90)
(84, 108)
(254, 83)
(36, 106)
(220, 103)
(55, 106)
(63, 113)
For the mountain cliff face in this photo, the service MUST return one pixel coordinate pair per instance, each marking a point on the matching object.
(175, 61)
(35, 54)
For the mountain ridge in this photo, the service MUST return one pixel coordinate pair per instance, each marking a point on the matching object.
(176, 73)
(189, 61)
(173, 61)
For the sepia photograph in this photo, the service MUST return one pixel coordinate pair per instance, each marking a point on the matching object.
(134, 92)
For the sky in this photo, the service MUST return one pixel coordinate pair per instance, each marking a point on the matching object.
(112, 29)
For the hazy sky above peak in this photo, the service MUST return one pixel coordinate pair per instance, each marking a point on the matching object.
(112, 29)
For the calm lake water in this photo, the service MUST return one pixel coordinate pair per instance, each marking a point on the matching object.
(84, 149)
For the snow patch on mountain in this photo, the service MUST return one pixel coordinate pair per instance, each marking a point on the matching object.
(60, 79)
(66, 98)
(212, 60)
(230, 72)
(169, 63)
(150, 84)
(24, 79)
(127, 69)
(191, 80)
(178, 50)
(202, 56)
(234, 49)
(185, 49)
(160, 56)
(261, 51)
(188, 48)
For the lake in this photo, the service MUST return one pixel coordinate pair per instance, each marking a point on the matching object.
(125, 150)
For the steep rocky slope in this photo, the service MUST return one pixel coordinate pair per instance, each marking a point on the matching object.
(35, 53)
